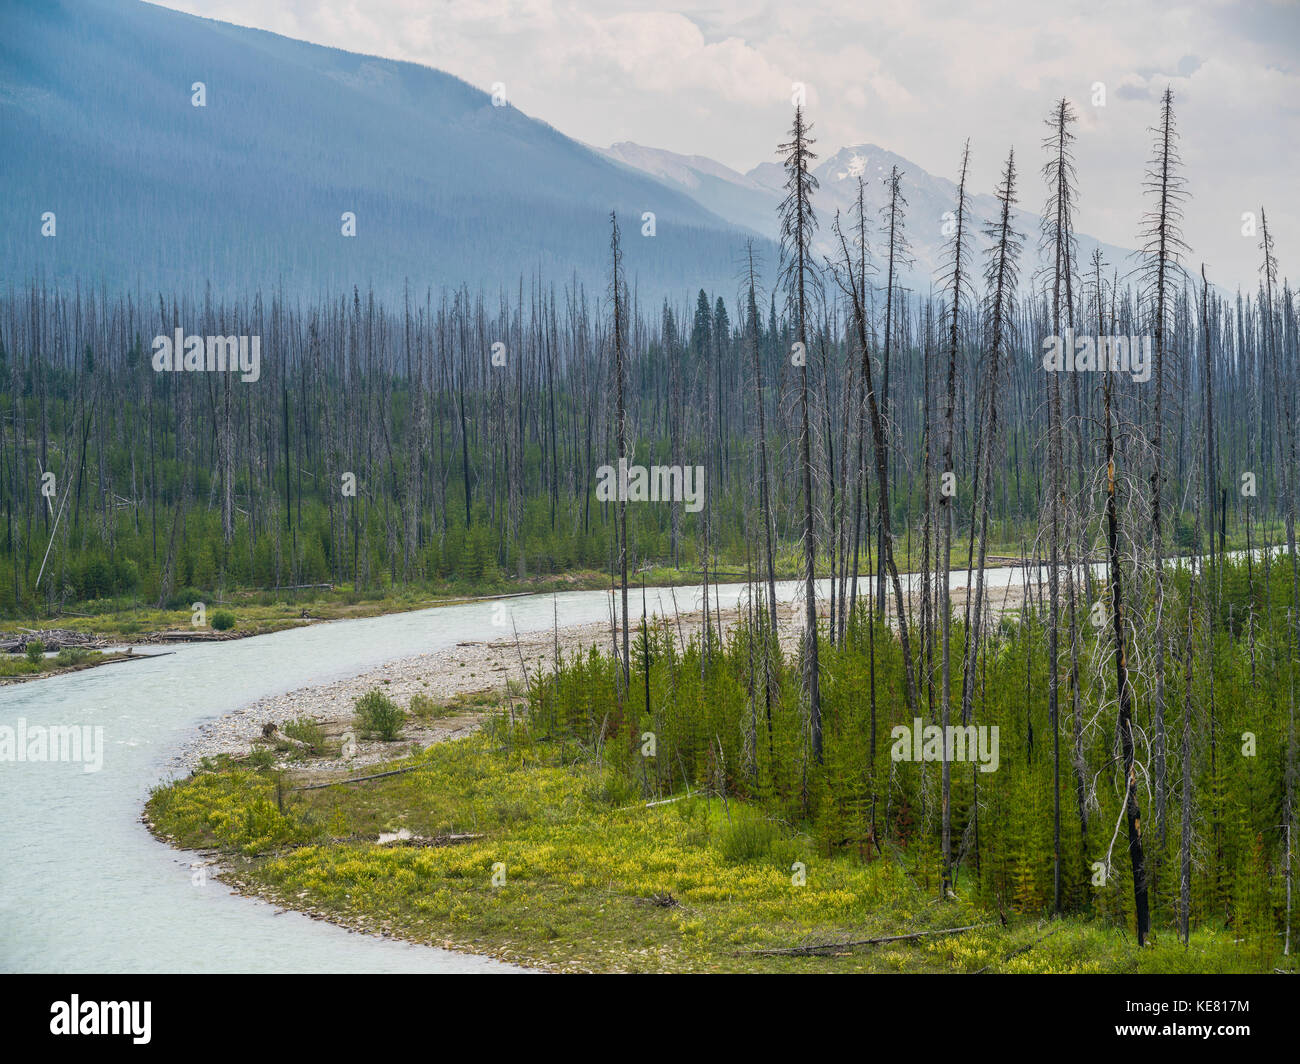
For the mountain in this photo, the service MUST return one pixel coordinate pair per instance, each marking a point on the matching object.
(751, 200)
(739, 198)
(149, 192)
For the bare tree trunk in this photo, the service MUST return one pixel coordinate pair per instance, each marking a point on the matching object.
(1123, 691)
(956, 289)
(798, 222)
(765, 499)
(620, 428)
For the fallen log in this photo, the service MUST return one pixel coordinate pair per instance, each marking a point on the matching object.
(272, 733)
(421, 841)
(1022, 949)
(343, 840)
(831, 947)
(354, 779)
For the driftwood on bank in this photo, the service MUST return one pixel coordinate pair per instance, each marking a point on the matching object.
(50, 638)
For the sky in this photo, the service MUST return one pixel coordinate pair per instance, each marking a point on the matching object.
(916, 77)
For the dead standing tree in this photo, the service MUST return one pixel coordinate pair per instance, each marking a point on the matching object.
(753, 328)
(1058, 241)
(958, 290)
(1123, 688)
(1000, 277)
(852, 285)
(898, 256)
(1161, 249)
(860, 486)
(799, 274)
(620, 426)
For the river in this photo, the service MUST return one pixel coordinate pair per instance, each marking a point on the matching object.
(84, 887)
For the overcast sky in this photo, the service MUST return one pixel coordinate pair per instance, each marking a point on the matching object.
(913, 76)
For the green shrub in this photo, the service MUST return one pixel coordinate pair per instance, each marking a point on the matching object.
(614, 789)
(748, 837)
(223, 620)
(71, 656)
(425, 708)
(185, 598)
(35, 651)
(13, 665)
(308, 731)
(379, 716)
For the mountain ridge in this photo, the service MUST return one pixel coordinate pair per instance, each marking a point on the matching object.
(249, 190)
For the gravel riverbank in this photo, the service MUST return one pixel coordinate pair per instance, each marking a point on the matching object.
(465, 669)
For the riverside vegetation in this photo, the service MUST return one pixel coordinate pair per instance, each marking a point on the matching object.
(690, 859)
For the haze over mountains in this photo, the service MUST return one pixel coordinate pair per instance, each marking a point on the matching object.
(149, 192)
(751, 200)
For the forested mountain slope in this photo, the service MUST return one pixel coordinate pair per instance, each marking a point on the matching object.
(98, 125)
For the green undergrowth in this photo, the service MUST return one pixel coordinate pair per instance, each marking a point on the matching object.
(568, 868)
